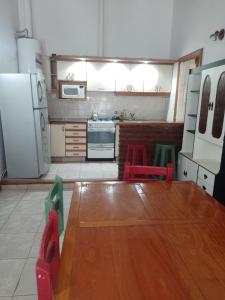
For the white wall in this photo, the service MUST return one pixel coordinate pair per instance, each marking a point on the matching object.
(193, 22)
(8, 57)
(8, 27)
(138, 28)
(66, 27)
(131, 28)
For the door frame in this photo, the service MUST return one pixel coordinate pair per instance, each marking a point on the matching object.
(197, 56)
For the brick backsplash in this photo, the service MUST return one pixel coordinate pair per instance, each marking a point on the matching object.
(105, 103)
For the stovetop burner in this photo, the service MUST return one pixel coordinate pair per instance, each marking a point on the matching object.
(100, 120)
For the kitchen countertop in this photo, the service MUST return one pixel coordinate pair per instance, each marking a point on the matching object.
(67, 120)
(142, 122)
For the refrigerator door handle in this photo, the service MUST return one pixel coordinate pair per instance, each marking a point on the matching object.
(40, 91)
(42, 122)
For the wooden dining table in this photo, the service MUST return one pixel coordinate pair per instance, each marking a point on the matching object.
(154, 240)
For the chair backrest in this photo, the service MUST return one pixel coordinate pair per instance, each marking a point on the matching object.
(54, 201)
(136, 154)
(140, 172)
(48, 261)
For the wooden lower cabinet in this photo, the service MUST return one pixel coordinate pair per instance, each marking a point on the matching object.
(57, 138)
(68, 140)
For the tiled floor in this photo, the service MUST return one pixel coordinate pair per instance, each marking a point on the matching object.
(85, 170)
(21, 226)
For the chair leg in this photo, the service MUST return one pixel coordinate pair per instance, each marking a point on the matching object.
(156, 155)
(173, 159)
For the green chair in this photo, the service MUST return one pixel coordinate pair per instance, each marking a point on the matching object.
(162, 154)
(54, 200)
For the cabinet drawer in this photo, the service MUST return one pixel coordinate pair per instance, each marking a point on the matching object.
(206, 176)
(206, 187)
(75, 133)
(76, 153)
(76, 140)
(76, 126)
(75, 147)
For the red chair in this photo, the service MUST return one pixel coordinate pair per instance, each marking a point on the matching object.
(136, 154)
(49, 258)
(140, 172)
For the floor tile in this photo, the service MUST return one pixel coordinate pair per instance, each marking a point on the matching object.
(10, 271)
(33, 206)
(29, 195)
(3, 220)
(15, 246)
(30, 297)
(11, 195)
(27, 283)
(7, 206)
(35, 245)
(22, 224)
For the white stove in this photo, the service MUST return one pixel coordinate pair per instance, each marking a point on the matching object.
(101, 139)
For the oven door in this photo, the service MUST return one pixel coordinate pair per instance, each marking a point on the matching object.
(101, 137)
(101, 143)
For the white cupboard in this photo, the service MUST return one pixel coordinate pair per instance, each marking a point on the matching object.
(212, 107)
(72, 70)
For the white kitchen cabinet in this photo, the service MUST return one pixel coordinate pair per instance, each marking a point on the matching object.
(68, 70)
(211, 111)
(57, 139)
(187, 169)
(165, 78)
(206, 180)
(101, 76)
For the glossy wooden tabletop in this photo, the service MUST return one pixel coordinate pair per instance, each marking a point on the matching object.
(136, 241)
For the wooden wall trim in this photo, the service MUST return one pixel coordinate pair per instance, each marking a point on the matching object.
(196, 55)
(112, 59)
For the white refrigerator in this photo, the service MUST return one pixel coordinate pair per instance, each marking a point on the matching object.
(24, 113)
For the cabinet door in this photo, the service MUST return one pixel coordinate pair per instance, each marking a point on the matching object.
(165, 78)
(57, 140)
(187, 169)
(67, 70)
(218, 118)
(192, 170)
(182, 167)
(101, 76)
(205, 97)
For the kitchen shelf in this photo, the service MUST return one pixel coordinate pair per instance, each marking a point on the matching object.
(192, 115)
(191, 131)
(154, 94)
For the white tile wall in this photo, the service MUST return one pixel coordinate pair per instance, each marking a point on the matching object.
(145, 108)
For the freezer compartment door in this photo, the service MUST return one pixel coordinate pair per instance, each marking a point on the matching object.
(39, 91)
(42, 134)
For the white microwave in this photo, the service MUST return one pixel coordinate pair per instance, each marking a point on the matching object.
(72, 89)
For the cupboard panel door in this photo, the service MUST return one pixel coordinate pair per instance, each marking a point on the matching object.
(206, 90)
(219, 110)
(57, 139)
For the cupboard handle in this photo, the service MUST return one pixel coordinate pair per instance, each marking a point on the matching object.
(204, 188)
(205, 176)
(211, 105)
